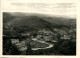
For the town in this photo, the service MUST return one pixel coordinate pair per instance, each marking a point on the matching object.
(38, 34)
(42, 39)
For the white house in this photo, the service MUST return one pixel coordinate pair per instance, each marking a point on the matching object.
(15, 41)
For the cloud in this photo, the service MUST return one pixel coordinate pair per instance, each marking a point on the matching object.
(60, 9)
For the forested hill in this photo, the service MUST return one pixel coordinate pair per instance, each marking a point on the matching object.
(37, 20)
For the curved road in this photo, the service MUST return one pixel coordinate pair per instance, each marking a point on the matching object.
(50, 45)
(23, 47)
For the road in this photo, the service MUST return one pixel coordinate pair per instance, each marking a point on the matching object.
(23, 47)
(50, 45)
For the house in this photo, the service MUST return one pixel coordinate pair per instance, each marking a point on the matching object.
(15, 41)
(65, 37)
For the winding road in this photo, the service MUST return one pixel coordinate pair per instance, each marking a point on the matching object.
(50, 45)
(23, 47)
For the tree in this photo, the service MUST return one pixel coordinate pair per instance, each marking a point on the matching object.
(28, 51)
(65, 47)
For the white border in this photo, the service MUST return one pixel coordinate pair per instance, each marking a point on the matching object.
(46, 1)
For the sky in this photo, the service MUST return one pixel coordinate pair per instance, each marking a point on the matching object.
(67, 9)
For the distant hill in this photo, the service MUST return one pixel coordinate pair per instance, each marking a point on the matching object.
(30, 21)
(37, 21)
(7, 17)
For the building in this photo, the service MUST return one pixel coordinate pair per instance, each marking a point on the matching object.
(45, 35)
(25, 34)
(15, 41)
(47, 38)
(65, 37)
(22, 42)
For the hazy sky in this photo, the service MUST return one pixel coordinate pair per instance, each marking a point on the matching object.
(59, 9)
